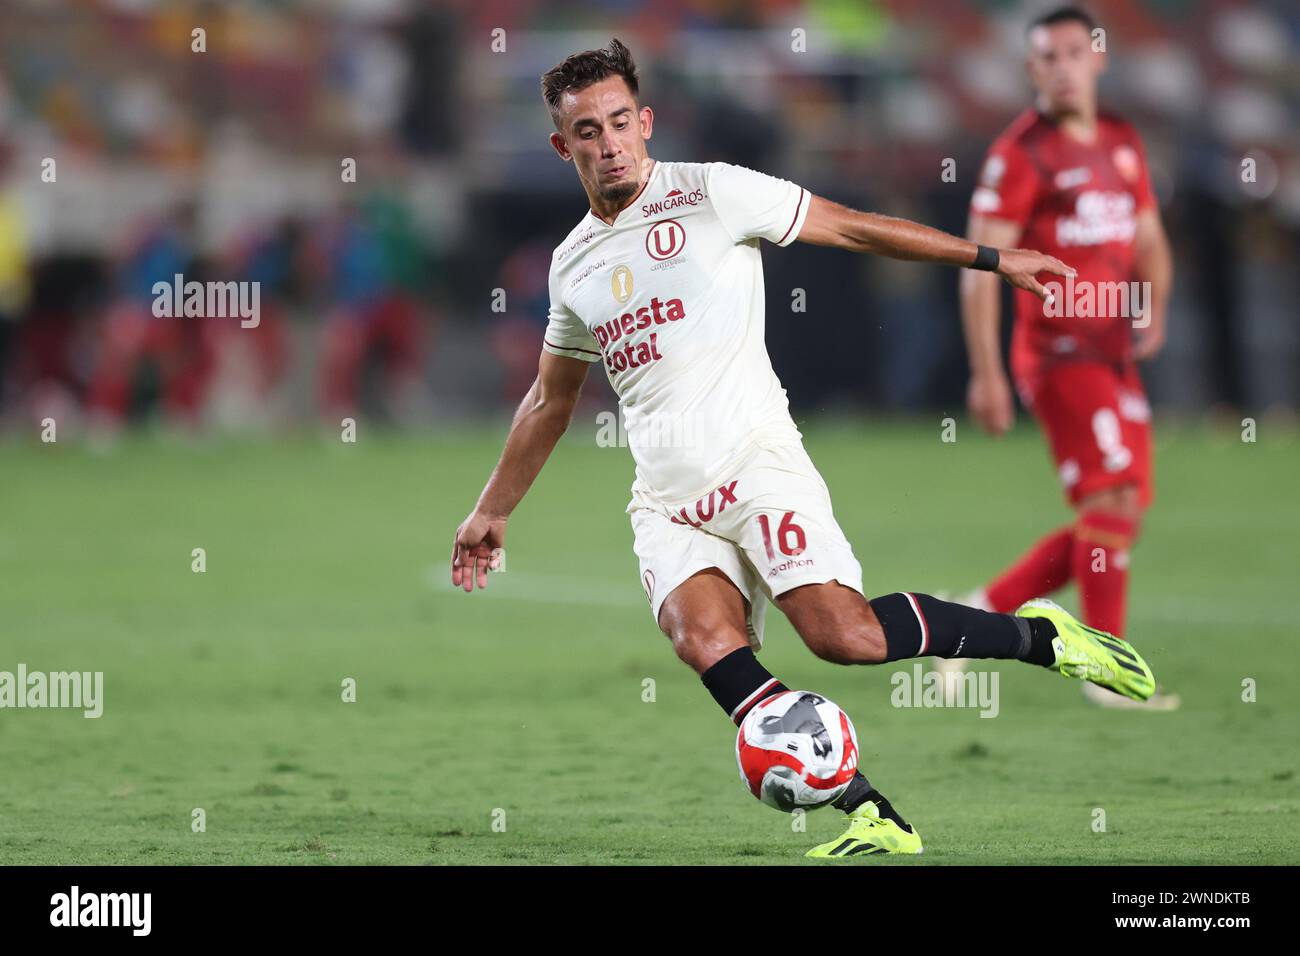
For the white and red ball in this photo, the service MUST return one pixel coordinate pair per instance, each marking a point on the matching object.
(796, 750)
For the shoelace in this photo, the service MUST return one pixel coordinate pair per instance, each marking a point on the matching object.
(870, 820)
(865, 825)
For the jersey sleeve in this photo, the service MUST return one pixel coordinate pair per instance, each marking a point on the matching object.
(1143, 194)
(1008, 184)
(565, 333)
(753, 205)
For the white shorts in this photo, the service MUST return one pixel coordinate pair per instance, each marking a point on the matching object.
(769, 528)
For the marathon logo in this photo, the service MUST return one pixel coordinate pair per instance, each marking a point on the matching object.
(586, 272)
(789, 566)
(673, 200)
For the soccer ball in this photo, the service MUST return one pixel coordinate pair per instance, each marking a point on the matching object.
(796, 750)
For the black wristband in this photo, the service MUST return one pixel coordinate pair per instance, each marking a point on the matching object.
(986, 259)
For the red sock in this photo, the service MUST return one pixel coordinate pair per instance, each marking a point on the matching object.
(1100, 564)
(1043, 568)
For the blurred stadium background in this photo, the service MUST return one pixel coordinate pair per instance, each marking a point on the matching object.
(377, 295)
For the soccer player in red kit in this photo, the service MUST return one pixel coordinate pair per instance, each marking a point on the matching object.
(1072, 181)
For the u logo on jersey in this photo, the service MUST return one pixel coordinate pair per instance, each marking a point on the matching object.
(665, 239)
(620, 284)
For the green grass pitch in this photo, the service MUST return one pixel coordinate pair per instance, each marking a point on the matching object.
(524, 705)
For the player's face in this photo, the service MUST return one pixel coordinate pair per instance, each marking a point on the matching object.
(604, 133)
(1063, 67)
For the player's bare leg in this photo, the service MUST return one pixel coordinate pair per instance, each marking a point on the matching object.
(704, 617)
(839, 625)
(836, 623)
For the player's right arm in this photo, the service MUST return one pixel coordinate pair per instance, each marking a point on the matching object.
(1003, 201)
(754, 205)
(542, 417)
(988, 396)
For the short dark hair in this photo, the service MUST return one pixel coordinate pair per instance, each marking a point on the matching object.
(1064, 15)
(580, 70)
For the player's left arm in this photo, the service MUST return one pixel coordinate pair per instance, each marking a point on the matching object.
(830, 224)
(1154, 264)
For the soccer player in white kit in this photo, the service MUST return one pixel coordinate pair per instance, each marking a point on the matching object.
(662, 283)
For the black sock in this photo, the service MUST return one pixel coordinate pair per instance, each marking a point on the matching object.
(1041, 632)
(859, 792)
(739, 681)
(918, 625)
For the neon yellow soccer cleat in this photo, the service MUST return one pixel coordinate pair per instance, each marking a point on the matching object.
(1093, 655)
(868, 833)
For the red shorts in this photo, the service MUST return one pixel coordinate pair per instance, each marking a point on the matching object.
(1098, 423)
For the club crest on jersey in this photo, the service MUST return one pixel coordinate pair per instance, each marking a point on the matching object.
(620, 284)
(665, 239)
(1126, 161)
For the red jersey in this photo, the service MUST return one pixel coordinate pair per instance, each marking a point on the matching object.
(1078, 202)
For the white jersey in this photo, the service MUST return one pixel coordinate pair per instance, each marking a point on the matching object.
(670, 299)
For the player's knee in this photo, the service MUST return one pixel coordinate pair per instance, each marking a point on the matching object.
(1125, 501)
(703, 641)
(1129, 503)
(862, 642)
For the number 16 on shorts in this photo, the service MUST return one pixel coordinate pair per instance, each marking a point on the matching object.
(793, 549)
(790, 538)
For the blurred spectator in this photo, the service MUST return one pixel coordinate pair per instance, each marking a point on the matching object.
(15, 277)
(517, 332)
(374, 328)
(141, 355)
